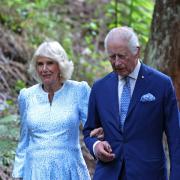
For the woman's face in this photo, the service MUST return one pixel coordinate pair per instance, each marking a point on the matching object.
(48, 70)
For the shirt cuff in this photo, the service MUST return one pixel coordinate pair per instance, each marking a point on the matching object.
(94, 147)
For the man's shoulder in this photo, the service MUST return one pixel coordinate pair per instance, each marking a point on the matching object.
(154, 72)
(105, 78)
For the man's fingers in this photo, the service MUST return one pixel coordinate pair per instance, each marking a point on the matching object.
(107, 146)
(106, 154)
(104, 151)
(106, 157)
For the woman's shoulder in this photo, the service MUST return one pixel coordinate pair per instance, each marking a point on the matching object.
(77, 84)
(79, 90)
(30, 90)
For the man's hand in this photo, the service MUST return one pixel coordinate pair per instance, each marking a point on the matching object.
(103, 151)
(98, 132)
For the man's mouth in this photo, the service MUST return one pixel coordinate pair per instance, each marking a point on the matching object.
(119, 69)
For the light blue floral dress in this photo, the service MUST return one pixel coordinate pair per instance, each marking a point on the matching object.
(49, 147)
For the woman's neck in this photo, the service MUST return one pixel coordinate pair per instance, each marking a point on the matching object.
(50, 89)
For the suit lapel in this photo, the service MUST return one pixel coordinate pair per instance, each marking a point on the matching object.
(140, 86)
(113, 92)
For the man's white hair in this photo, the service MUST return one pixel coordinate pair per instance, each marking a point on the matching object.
(125, 33)
(54, 51)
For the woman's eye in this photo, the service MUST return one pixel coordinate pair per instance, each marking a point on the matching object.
(50, 62)
(39, 64)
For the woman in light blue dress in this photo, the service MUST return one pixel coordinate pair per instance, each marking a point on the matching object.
(50, 115)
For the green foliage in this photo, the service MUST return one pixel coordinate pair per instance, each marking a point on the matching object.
(9, 131)
(134, 13)
(34, 18)
(19, 85)
(40, 20)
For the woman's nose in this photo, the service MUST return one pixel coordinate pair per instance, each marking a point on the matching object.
(44, 67)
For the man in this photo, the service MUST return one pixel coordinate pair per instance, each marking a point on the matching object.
(134, 105)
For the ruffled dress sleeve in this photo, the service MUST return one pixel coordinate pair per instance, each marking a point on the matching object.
(20, 156)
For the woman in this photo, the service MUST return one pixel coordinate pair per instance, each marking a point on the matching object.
(50, 114)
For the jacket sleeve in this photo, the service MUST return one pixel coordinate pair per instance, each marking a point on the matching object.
(172, 130)
(20, 156)
(92, 122)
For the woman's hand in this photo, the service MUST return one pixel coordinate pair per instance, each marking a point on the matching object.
(98, 132)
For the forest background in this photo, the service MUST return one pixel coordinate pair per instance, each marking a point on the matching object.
(80, 26)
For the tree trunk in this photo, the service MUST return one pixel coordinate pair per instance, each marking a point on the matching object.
(163, 49)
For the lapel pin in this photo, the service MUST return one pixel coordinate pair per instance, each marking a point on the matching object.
(142, 77)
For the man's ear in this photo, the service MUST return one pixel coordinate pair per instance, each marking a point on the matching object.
(138, 52)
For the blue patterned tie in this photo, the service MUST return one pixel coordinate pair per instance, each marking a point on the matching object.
(125, 100)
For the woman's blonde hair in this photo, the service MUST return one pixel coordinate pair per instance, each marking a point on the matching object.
(54, 51)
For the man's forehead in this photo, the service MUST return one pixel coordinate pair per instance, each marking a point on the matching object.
(120, 32)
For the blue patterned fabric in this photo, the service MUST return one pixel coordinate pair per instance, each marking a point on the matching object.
(125, 100)
(147, 97)
(49, 147)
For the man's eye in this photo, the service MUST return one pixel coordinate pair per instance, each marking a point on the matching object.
(112, 56)
(121, 56)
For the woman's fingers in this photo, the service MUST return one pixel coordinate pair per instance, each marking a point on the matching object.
(98, 132)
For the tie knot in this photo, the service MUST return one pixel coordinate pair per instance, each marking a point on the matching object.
(127, 83)
(127, 78)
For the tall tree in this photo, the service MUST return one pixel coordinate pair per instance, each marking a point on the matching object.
(163, 49)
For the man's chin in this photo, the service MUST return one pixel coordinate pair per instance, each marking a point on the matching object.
(121, 73)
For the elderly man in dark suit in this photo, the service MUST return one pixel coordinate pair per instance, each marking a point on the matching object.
(135, 105)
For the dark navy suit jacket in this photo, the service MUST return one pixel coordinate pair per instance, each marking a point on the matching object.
(140, 144)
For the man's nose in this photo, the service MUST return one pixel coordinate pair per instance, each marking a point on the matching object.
(117, 60)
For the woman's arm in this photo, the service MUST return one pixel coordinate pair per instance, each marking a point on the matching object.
(20, 156)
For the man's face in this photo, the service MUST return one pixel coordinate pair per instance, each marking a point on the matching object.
(121, 58)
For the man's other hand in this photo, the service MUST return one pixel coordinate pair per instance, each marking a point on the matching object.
(103, 151)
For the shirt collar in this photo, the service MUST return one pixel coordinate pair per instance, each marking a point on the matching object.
(133, 74)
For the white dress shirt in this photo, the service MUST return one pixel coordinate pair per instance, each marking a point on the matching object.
(133, 77)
